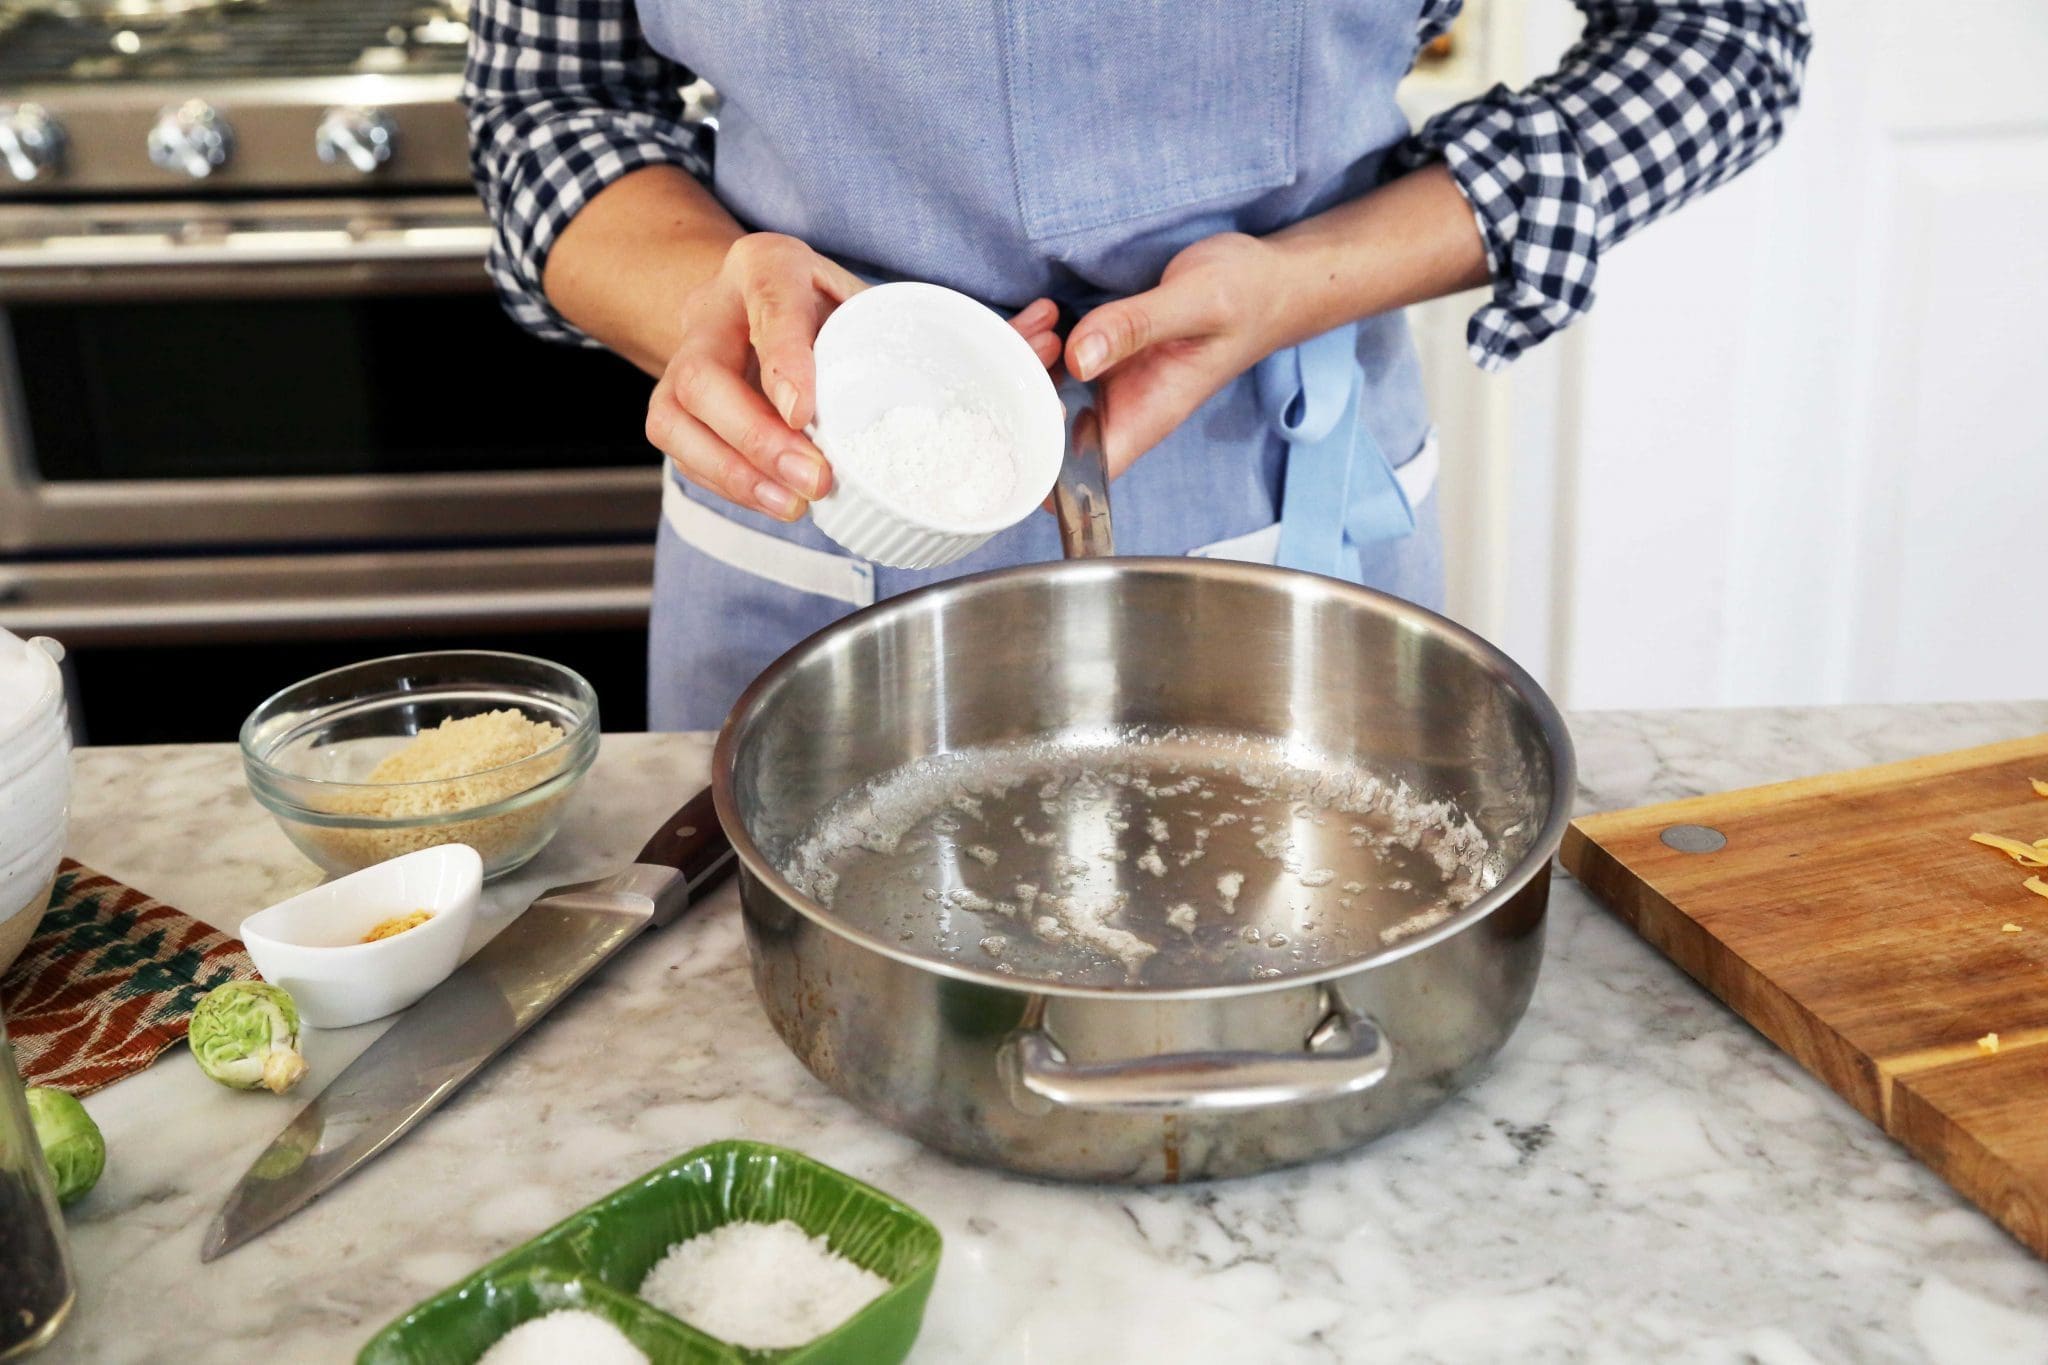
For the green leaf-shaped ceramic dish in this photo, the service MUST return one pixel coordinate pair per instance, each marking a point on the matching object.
(611, 1245)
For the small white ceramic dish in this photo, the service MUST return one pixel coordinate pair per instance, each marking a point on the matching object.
(923, 345)
(312, 944)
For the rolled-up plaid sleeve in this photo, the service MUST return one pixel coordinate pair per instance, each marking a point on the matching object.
(564, 97)
(1657, 103)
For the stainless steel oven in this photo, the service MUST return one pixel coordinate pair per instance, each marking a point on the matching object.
(213, 374)
(254, 387)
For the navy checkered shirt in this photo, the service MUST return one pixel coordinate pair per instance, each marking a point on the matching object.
(1655, 104)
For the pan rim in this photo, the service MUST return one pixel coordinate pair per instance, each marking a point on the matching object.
(1533, 863)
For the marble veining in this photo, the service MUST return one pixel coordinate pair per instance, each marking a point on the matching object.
(1640, 1177)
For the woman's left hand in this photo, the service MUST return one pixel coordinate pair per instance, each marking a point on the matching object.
(1218, 309)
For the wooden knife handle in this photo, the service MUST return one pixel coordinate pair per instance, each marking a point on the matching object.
(692, 842)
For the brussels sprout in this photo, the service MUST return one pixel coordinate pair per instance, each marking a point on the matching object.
(245, 1034)
(72, 1145)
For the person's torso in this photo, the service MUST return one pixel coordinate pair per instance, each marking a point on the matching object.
(1013, 148)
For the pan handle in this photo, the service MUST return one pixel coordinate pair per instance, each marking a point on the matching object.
(1345, 1054)
(1081, 497)
(693, 843)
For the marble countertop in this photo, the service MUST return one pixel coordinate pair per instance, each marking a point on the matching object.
(1640, 1176)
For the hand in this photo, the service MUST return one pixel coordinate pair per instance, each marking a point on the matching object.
(730, 406)
(1215, 313)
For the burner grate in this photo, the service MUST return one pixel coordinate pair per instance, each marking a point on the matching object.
(239, 42)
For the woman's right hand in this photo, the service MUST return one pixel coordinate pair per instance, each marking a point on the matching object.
(730, 408)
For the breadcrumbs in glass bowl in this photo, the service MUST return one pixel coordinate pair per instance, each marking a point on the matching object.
(377, 759)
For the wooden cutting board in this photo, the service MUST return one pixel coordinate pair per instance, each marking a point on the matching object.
(1851, 920)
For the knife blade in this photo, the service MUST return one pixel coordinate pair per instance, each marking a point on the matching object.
(455, 1030)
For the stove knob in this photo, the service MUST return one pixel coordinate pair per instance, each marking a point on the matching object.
(191, 138)
(31, 142)
(363, 138)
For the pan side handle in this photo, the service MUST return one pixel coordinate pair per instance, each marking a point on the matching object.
(1345, 1054)
(693, 843)
(1081, 497)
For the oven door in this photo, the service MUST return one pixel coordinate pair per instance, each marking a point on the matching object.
(294, 375)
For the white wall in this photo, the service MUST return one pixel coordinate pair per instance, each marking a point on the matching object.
(1808, 449)
(1797, 454)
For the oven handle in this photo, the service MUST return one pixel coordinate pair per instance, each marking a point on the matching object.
(80, 623)
(256, 262)
(273, 246)
(161, 601)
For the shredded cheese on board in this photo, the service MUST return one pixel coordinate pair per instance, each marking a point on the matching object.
(2031, 855)
(2025, 854)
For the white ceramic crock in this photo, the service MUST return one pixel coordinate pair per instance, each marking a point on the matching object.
(35, 784)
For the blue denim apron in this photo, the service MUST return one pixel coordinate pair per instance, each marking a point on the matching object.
(1018, 148)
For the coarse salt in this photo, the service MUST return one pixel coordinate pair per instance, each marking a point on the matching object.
(760, 1285)
(565, 1334)
(953, 463)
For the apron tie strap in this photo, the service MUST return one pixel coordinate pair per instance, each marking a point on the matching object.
(1339, 491)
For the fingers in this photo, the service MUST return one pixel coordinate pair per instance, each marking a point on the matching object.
(1116, 331)
(1037, 316)
(700, 392)
(782, 323)
(788, 289)
(1143, 402)
(761, 313)
(714, 466)
(1035, 323)
(834, 280)
(737, 415)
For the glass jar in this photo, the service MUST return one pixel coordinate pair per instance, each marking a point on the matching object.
(35, 1270)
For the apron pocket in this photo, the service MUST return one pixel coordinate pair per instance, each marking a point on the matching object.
(1129, 110)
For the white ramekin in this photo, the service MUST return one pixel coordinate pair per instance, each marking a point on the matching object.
(912, 344)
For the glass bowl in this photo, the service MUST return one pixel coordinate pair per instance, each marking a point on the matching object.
(308, 752)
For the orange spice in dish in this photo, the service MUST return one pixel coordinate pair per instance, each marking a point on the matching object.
(397, 925)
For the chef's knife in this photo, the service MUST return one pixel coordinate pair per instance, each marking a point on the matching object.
(460, 1025)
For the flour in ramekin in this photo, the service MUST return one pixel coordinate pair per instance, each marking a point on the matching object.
(953, 463)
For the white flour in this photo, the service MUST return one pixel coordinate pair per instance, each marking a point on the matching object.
(955, 463)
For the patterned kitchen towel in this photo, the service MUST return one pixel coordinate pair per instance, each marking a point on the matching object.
(109, 981)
